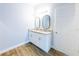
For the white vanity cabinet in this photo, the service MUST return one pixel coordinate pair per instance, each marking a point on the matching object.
(41, 40)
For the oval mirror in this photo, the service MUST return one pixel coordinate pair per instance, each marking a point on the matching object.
(46, 21)
(37, 22)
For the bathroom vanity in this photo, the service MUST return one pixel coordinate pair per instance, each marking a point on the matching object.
(42, 36)
(41, 39)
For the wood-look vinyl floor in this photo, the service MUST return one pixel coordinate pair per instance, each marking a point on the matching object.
(30, 50)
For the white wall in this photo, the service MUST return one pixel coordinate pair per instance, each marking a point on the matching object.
(67, 26)
(15, 19)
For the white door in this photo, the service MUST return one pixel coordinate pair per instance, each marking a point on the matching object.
(64, 15)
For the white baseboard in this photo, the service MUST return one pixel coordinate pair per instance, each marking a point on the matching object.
(13, 47)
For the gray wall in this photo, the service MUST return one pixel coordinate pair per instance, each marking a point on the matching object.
(15, 19)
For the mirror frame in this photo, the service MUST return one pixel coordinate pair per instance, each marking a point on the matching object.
(43, 22)
(37, 18)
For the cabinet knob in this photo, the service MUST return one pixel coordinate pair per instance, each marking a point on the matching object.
(56, 32)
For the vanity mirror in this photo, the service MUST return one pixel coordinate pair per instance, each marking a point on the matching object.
(46, 22)
(37, 23)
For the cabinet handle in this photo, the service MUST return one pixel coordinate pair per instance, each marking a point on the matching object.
(56, 32)
(39, 38)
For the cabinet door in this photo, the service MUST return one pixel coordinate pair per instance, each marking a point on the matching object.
(34, 38)
(45, 42)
